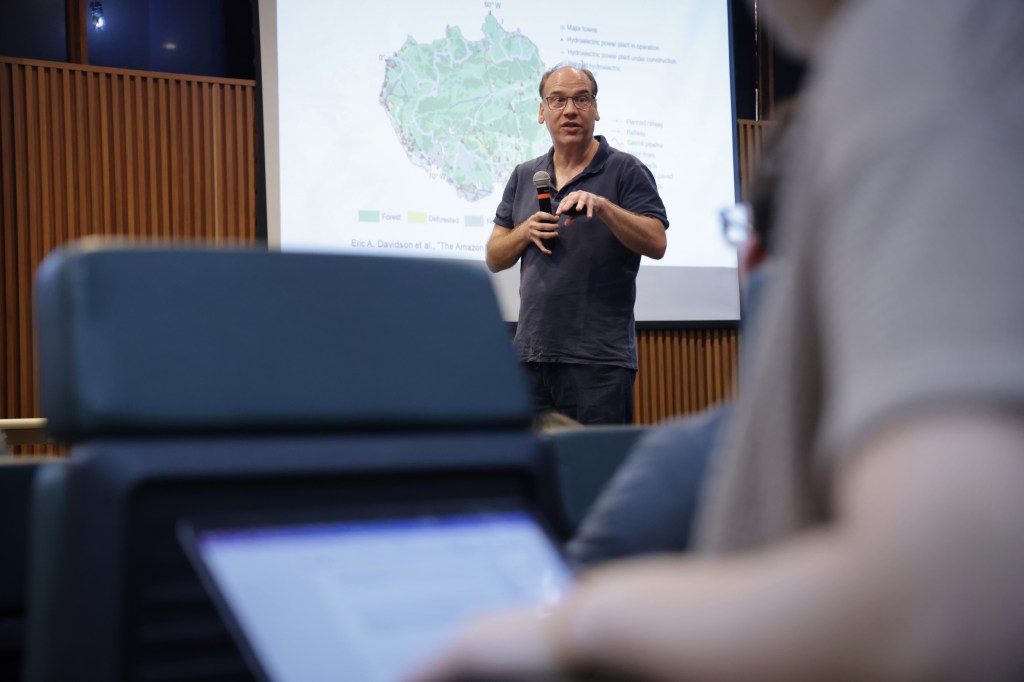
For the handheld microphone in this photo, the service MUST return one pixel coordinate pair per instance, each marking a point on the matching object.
(542, 181)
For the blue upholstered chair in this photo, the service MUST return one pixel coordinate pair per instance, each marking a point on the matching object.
(195, 382)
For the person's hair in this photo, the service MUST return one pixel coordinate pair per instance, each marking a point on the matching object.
(586, 72)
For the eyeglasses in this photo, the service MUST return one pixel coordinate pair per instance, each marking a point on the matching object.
(736, 224)
(558, 102)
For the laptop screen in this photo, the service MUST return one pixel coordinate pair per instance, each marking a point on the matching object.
(365, 599)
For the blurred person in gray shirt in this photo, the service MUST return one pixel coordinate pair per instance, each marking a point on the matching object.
(863, 517)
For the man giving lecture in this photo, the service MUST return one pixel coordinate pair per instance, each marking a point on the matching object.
(576, 334)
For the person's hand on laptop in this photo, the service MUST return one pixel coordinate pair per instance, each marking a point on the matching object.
(513, 644)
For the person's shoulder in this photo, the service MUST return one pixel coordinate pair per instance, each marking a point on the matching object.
(526, 169)
(616, 156)
(622, 163)
(608, 152)
(886, 73)
(886, 50)
(538, 163)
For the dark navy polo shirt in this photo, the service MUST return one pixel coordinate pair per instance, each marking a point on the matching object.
(576, 305)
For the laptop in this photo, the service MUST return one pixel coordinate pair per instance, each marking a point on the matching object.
(366, 595)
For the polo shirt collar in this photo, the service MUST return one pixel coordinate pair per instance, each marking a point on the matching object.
(596, 164)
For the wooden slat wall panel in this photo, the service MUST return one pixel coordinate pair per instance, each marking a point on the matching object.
(86, 150)
(92, 151)
(683, 371)
(749, 140)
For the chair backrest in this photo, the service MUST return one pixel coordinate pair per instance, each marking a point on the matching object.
(199, 382)
(16, 474)
(171, 341)
(582, 462)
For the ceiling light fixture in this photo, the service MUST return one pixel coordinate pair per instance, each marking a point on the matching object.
(96, 15)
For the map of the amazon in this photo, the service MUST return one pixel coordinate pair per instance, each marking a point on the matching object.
(466, 111)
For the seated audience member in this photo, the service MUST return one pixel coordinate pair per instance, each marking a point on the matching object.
(863, 518)
(650, 504)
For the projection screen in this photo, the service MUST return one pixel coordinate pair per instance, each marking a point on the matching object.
(392, 127)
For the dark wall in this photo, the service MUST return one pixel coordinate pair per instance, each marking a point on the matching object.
(787, 72)
(744, 59)
(33, 29)
(196, 37)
